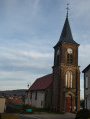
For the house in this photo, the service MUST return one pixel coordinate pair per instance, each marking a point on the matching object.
(61, 89)
(2, 104)
(86, 72)
(39, 94)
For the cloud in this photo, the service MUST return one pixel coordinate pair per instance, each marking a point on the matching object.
(25, 60)
(36, 55)
(29, 30)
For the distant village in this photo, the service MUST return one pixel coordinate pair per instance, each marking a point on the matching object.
(10, 99)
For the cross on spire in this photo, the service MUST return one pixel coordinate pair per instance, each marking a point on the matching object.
(67, 9)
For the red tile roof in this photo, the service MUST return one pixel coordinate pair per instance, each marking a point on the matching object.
(14, 101)
(42, 83)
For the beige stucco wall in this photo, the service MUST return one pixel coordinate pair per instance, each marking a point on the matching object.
(2, 105)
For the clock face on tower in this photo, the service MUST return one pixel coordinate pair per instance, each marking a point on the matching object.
(70, 51)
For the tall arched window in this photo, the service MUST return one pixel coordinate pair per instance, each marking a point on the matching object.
(69, 79)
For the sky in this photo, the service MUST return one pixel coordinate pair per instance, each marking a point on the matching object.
(28, 31)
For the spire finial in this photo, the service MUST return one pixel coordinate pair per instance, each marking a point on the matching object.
(67, 9)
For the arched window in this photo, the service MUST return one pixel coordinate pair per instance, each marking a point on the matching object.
(69, 56)
(69, 79)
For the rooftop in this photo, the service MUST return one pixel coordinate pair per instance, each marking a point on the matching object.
(86, 69)
(42, 83)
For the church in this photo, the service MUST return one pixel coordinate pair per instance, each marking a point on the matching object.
(59, 91)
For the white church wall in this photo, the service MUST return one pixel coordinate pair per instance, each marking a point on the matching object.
(27, 100)
(40, 99)
(36, 101)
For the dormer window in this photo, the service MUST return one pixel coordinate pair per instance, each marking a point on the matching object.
(69, 56)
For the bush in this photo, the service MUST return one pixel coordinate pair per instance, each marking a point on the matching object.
(83, 114)
(11, 108)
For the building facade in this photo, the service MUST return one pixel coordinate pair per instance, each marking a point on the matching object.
(64, 92)
(40, 93)
(86, 72)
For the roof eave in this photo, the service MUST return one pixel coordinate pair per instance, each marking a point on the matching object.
(65, 42)
(86, 69)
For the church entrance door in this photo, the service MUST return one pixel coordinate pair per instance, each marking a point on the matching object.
(68, 104)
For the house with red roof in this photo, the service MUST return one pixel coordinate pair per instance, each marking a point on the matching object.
(40, 92)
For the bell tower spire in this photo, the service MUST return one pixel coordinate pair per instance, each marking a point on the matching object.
(66, 34)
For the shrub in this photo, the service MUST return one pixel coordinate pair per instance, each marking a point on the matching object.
(11, 108)
(83, 114)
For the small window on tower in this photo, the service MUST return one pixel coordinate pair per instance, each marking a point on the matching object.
(71, 59)
(69, 56)
(58, 56)
(58, 52)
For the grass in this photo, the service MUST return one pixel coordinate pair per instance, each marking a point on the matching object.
(10, 116)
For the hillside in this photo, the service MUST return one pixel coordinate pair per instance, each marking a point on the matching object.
(14, 92)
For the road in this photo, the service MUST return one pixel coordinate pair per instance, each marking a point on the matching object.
(27, 117)
(48, 116)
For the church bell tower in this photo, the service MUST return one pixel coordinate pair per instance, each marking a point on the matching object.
(66, 73)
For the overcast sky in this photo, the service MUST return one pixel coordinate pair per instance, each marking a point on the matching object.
(28, 31)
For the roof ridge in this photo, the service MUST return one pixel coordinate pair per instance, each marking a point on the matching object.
(44, 76)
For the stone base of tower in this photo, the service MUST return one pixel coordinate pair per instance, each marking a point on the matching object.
(69, 102)
(65, 99)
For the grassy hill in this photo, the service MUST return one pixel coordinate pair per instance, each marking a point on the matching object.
(13, 92)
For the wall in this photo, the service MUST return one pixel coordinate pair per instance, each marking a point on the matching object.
(27, 100)
(38, 102)
(2, 105)
(48, 98)
(87, 90)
